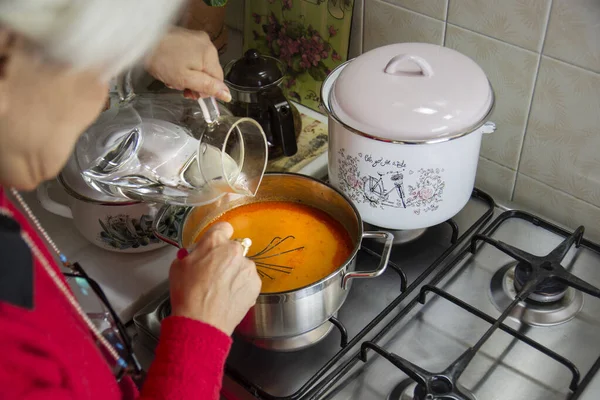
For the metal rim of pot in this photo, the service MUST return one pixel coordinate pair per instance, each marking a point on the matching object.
(315, 287)
(325, 106)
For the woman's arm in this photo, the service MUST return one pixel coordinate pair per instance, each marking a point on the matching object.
(189, 363)
(212, 289)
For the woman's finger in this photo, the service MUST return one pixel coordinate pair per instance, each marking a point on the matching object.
(189, 94)
(203, 83)
(217, 235)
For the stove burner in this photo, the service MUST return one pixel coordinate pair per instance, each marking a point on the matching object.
(283, 344)
(548, 291)
(427, 385)
(504, 289)
(293, 343)
(541, 278)
(405, 390)
(441, 388)
(400, 236)
(407, 236)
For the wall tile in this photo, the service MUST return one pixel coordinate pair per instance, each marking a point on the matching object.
(234, 17)
(495, 179)
(355, 47)
(520, 22)
(386, 24)
(511, 70)
(558, 205)
(574, 32)
(433, 8)
(562, 145)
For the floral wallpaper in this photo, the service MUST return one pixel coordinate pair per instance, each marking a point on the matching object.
(310, 36)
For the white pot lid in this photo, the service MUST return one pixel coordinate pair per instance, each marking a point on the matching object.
(415, 92)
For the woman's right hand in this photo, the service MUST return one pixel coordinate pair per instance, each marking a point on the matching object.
(214, 283)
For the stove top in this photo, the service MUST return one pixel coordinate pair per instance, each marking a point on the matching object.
(453, 317)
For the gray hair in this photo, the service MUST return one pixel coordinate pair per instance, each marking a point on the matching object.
(108, 34)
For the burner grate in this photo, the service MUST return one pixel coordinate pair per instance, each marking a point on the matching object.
(444, 385)
(544, 277)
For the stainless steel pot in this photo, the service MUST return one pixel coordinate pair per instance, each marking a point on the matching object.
(293, 313)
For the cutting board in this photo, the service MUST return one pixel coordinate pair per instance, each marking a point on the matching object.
(312, 142)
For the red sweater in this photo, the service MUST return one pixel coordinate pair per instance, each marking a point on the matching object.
(48, 353)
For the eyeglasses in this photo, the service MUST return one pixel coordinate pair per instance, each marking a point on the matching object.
(96, 305)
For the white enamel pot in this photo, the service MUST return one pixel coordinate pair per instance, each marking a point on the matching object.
(404, 139)
(124, 227)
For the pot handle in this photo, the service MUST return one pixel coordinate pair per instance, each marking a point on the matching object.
(125, 86)
(394, 66)
(385, 257)
(489, 127)
(159, 220)
(282, 119)
(50, 205)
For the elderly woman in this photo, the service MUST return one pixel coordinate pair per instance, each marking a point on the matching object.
(56, 57)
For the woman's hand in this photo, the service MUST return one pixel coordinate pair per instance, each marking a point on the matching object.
(187, 60)
(215, 283)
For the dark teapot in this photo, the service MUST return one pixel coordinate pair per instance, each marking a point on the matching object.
(255, 84)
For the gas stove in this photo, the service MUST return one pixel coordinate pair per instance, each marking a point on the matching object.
(493, 304)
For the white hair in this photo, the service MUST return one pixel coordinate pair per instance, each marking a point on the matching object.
(107, 34)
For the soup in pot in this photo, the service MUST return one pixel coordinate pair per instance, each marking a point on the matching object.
(293, 245)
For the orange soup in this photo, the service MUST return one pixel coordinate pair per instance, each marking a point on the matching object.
(293, 245)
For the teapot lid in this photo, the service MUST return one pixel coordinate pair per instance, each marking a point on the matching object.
(254, 70)
(412, 92)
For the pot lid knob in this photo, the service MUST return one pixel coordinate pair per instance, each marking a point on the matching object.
(254, 70)
(398, 66)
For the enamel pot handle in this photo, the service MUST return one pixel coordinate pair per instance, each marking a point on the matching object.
(489, 127)
(50, 205)
(385, 258)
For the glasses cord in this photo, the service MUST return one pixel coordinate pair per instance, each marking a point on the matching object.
(56, 279)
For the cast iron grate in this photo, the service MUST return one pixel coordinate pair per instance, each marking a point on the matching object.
(542, 272)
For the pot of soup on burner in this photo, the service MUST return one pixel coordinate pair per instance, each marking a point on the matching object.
(305, 237)
(164, 148)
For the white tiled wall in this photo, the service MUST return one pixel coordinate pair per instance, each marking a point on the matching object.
(543, 59)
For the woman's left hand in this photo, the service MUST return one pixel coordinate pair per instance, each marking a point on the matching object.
(187, 60)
